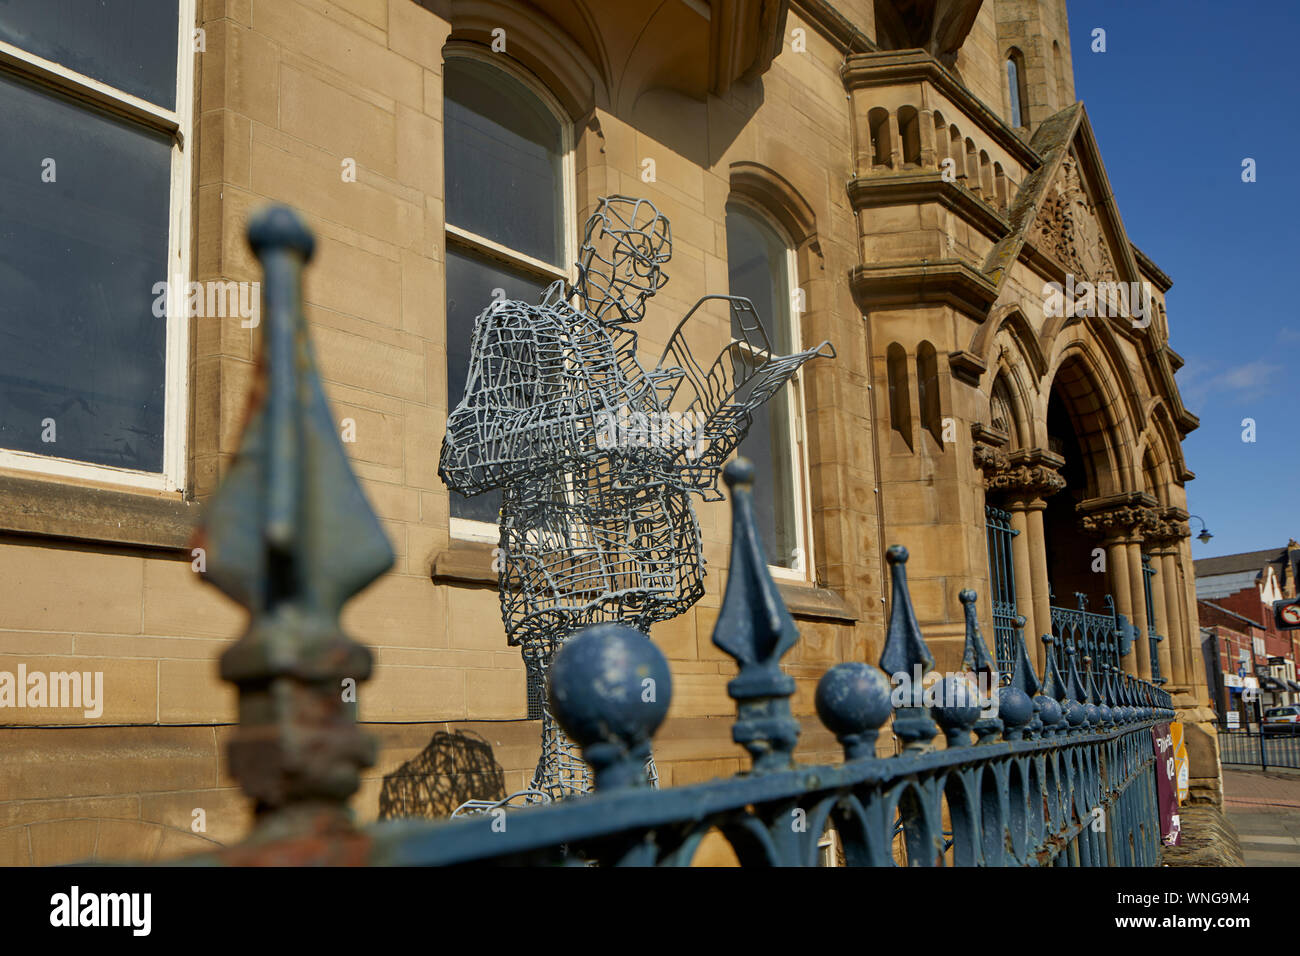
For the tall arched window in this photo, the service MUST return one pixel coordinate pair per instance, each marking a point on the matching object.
(508, 174)
(927, 391)
(1015, 87)
(1058, 64)
(900, 393)
(760, 267)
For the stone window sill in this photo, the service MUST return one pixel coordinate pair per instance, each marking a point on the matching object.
(470, 562)
(41, 506)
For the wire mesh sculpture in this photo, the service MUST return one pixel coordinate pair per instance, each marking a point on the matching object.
(597, 457)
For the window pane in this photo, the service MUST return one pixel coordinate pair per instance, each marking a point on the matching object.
(79, 257)
(1013, 84)
(769, 447)
(756, 268)
(129, 44)
(503, 161)
(470, 281)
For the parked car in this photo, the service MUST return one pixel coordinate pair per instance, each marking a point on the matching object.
(1282, 720)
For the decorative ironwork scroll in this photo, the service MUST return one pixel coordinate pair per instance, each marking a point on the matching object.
(596, 455)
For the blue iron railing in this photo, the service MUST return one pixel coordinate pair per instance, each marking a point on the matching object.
(1002, 586)
(1099, 636)
(1057, 772)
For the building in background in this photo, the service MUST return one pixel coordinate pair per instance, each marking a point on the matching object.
(1236, 594)
(914, 181)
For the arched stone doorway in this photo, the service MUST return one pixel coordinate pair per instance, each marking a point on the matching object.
(1064, 523)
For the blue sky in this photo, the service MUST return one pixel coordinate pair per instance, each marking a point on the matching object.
(1185, 91)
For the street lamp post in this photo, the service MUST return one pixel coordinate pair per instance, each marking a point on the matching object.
(1205, 535)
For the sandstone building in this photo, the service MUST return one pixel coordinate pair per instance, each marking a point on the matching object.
(904, 179)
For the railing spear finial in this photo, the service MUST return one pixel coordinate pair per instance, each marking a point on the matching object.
(977, 660)
(906, 656)
(1052, 696)
(755, 627)
(291, 537)
(1017, 705)
(1076, 712)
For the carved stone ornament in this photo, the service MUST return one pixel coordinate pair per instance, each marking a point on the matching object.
(1067, 227)
(1168, 528)
(990, 460)
(1038, 481)
(1123, 520)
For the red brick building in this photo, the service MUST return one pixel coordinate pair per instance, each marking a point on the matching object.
(1243, 648)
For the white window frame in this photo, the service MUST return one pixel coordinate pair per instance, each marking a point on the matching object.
(176, 123)
(799, 473)
(466, 529)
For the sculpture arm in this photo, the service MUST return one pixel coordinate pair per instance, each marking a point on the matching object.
(743, 377)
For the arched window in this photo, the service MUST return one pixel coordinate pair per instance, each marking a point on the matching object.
(760, 267)
(505, 155)
(909, 133)
(940, 140)
(900, 393)
(882, 146)
(1002, 415)
(927, 391)
(1016, 88)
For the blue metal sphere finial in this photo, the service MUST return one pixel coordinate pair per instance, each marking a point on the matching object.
(852, 700)
(280, 227)
(610, 688)
(959, 708)
(739, 471)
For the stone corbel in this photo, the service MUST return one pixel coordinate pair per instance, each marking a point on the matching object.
(1169, 528)
(1128, 515)
(1028, 473)
(988, 446)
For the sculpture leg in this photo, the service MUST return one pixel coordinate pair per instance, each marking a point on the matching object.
(561, 772)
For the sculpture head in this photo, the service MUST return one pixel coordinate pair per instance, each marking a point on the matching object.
(625, 243)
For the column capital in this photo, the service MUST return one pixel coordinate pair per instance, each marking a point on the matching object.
(1028, 474)
(1170, 527)
(1130, 516)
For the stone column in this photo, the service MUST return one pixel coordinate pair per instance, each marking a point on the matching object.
(1161, 622)
(1022, 564)
(1171, 618)
(895, 142)
(1117, 576)
(929, 158)
(1122, 520)
(1140, 622)
(1180, 645)
(1042, 584)
(1026, 478)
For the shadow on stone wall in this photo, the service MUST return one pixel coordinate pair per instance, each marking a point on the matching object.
(453, 768)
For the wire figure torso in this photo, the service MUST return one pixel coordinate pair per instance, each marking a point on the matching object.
(597, 458)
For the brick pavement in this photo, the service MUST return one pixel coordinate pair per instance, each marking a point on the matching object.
(1264, 808)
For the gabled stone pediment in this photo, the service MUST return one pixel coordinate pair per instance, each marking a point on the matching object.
(1064, 211)
(1067, 228)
